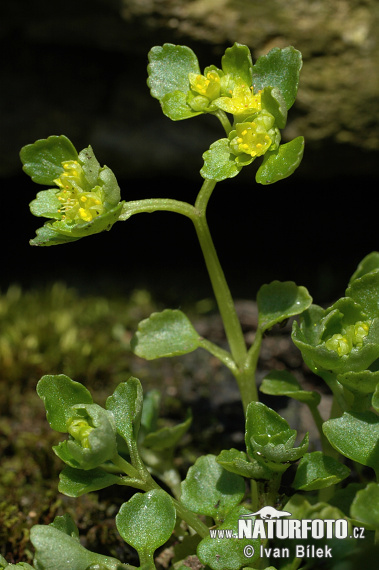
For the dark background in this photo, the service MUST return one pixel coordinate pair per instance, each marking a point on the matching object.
(79, 69)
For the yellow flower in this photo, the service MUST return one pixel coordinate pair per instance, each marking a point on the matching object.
(242, 101)
(207, 86)
(353, 337)
(251, 138)
(76, 203)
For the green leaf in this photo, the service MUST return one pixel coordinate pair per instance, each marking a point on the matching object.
(169, 68)
(99, 224)
(168, 436)
(169, 333)
(77, 482)
(90, 166)
(150, 411)
(43, 159)
(146, 521)
(219, 162)
(176, 108)
(375, 399)
(126, 405)
(56, 549)
(238, 63)
(269, 438)
(365, 506)
(59, 393)
(238, 462)
(283, 383)
(279, 301)
(111, 190)
(274, 103)
(66, 524)
(367, 265)
(228, 554)
(46, 204)
(47, 236)
(365, 291)
(317, 471)
(210, 489)
(363, 382)
(279, 68)
(280, 163)
(356, 436)
(92, 439)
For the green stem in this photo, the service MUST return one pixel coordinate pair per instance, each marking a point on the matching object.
(223, 118)
(326, 446)
(221, 290)
(191, 519)
(145, 482)
(150, 205)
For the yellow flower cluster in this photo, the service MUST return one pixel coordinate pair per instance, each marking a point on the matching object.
(77, 204)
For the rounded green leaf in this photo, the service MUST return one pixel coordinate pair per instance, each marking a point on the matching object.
(59, 393)
(146, 521)
(219, 162)
(169, 333)
(279, 301)
(283, 383)
(43, 159)
(211, 490)
(169, 68)
(228, 554)
(279, 68)
(281, 163)
(317, 471)
(365, 506)
(355, 435)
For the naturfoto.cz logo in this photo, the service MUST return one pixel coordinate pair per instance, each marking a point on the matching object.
(273, 524)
